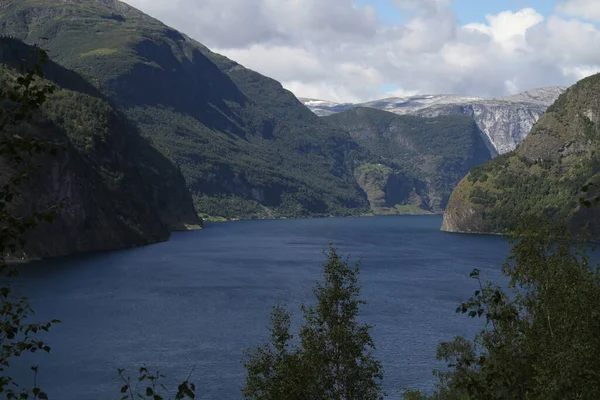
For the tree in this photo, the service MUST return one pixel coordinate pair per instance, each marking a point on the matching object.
(274, 369)
(150, 387)
(333, 358)
(541, 338)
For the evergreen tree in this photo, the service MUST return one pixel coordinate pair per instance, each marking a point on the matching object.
(333, 358)
(274, 370)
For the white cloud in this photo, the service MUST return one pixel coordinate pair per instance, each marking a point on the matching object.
(339, 51)
(582, 71)
(589, 9)
(508, 29)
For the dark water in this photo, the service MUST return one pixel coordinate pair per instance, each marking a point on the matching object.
(203, 297)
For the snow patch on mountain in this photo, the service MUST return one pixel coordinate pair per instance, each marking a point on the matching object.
(505, 121)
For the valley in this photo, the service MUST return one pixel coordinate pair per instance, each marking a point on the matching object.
(183, 216)
(246, 147)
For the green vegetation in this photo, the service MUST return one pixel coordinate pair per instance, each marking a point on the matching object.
(148, 385)
(333, 359)
(424, 158)
(543, 176)
(407, 209)
(116, 189)
(247, 147)
(540, 340)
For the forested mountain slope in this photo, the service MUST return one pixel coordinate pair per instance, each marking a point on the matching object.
(116, 189)
(420, 160)
(544, 176)
(246, 146)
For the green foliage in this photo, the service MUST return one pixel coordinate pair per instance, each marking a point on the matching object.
(333, 359)
(275, 370)
(540, 340)
(541, 189)
(149, 386)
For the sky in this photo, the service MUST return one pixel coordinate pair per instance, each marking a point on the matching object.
(360, 50)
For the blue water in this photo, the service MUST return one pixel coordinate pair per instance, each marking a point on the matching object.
(200, 299)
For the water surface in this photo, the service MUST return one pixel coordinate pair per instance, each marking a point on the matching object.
(200, 299)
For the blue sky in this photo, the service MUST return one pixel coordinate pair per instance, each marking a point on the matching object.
(467, 10)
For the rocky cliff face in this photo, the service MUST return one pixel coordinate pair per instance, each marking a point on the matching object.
(505, 122)
(543, 177)
(465, 216)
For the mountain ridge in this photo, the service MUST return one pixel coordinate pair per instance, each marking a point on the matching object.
(505, 121)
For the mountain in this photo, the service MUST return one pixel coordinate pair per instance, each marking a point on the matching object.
(323, 107)
(116, 189)
(505, 122)
(246, 147)
(414, 104)
(419, 160)
(543, 176)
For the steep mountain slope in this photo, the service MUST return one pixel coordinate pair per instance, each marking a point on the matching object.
(420, 159)
(116, 189)
(246, 146)
(543, 176)
(505, 122)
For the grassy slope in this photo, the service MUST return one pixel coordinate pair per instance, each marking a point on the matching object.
(435, 152)
(543, 177)
(246, 147)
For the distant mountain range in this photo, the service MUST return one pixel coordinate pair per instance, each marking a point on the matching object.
(505, 121)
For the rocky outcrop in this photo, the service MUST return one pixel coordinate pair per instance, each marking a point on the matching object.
(462, 216)
(390, 191)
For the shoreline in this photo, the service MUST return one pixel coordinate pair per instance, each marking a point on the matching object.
(17, 261)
